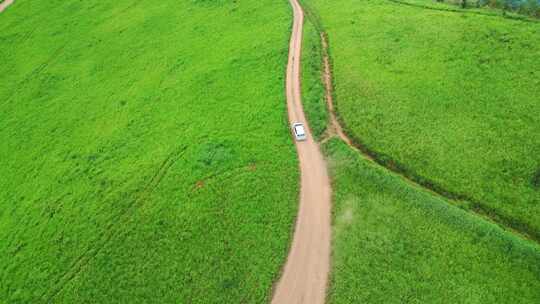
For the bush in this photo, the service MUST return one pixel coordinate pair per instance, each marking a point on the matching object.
(532, 8)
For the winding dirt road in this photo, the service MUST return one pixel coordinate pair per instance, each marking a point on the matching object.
(305, 275)
(5, 4)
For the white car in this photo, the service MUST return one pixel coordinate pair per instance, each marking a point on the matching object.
(299, 131)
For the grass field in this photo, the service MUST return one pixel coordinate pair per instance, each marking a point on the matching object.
(146, 155)
(313, 98)
(525, 11)
(448, 98)
(394, 243)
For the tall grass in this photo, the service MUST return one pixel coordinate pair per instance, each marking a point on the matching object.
(449, 99)
(525, 7)
(395, 243)
(145, 151)
(312, 87)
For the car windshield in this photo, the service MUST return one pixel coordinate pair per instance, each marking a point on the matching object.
(299, 130)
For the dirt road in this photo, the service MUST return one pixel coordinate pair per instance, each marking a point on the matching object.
(5, 4)
(305, 275)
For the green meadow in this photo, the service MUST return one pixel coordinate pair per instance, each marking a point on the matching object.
(146, 155)
(313, 98)
(145, 151)
(448, 98)
(396, 243)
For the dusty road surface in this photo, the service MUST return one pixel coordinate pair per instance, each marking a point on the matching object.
(305, 275)
(5, 4)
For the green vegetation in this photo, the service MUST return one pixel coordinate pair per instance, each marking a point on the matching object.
(524, 7)
(450, 99)
(521, 10)
(146, 155)
(395, 243)
(312, 87)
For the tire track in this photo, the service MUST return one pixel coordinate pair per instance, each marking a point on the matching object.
(112, 228)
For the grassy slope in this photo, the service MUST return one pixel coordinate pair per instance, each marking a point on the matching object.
(394, 243)
(146, 155)
(452, 98)
(312, 87)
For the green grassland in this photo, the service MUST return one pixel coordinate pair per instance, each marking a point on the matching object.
(448, 98)
(395, 243)
(145, 153)
(313, 98)
(524, 12)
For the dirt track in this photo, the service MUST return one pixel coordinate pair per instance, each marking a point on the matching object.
(5, 4)
(305, 275)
